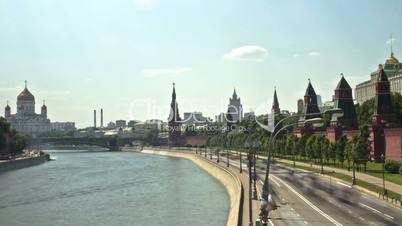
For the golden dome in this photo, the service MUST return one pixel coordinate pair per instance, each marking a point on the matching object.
(26, 95)
(392, 60)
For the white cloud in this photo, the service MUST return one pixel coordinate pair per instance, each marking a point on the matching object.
(251, 53)
(165, 71)
(296, 55)
(145, 4)
(314, 54)
(393, 40)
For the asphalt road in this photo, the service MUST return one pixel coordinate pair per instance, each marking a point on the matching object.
(307, 199)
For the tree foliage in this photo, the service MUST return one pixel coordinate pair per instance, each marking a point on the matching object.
(17, 142)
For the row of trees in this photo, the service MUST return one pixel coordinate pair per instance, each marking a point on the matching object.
(318, 149)
(11, 142)
(314, 149)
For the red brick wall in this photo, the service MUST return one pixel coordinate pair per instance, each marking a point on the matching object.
(393, 141)
(194, 140)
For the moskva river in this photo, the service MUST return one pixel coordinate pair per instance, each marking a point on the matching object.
(104, 188)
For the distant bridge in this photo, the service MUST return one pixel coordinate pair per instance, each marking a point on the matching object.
(112, 143)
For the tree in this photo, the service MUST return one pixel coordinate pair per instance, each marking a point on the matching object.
(18, 141)
(332, 151)
(340, 149)
(310, 148)
(348, 152)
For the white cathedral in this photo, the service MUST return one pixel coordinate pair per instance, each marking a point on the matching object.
(26, 120)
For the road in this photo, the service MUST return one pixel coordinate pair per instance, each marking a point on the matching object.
(307, 199)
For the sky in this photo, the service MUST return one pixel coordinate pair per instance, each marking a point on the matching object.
(124, 55)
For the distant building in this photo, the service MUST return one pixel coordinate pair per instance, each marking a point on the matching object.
(111, 125)
(249, 115)
(194, 118)
(220, 118)
(392, 68)
(132, 123)
(319, 100)
(300, 106)
(62, 126)
(235, 107)
(26, 121)
(121, 124)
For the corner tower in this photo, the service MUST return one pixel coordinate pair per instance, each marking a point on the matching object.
(311, 109)
(275, 105)
(344, 101)
(174, 121)
(383, 110)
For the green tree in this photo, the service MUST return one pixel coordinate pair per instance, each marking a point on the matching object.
(341, 149)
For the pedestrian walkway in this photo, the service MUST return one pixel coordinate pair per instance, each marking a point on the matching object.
(361, 176)
(244, 178)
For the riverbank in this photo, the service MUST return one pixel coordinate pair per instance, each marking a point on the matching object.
(23, 163)
(231, 182)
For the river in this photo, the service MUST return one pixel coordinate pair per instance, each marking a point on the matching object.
(112, 188)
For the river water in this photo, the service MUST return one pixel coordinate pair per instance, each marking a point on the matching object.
(105, 188)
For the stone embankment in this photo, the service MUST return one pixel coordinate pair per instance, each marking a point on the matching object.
(231, 181)
(22, 163)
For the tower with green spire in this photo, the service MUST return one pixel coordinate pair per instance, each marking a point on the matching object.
(174, 121)
(275, 105)
(311, 109)
(344, 100)
(383, 110)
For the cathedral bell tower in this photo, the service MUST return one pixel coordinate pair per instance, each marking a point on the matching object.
(43, 110)
(7, 111)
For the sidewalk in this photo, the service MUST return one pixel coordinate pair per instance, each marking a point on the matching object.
(361, 176)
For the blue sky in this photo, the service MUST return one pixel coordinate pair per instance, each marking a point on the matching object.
(124, 55)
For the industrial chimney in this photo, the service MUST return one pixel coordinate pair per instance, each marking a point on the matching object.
(94, 119)
(101, 125)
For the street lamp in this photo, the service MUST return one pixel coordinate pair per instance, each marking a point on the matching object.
(249, 165)
(383, 173)
(241, 164)
(210, 154)
(227, 157)
(265, 196)
(255, 146)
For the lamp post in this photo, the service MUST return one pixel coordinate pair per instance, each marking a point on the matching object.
(210, 154)
(250, 206)
(241, 164)
(383, 173)
(321, 157)
(256, 146)
(227, 157)
(265, 197)
(293, 153)
(353, 166)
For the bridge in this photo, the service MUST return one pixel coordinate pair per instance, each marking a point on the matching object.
(111, 143)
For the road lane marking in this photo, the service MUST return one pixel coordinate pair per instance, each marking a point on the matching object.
(346, 185)
(270, 222)
(389, 216)
(276, 182)
(309, 203)
(371, 208)
(377, 211)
